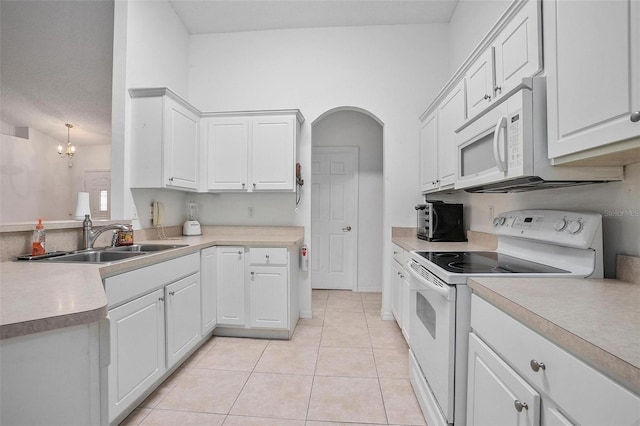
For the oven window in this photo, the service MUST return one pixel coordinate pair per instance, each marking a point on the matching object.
(426, 314)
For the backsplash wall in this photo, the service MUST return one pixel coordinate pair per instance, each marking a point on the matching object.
(618, 202)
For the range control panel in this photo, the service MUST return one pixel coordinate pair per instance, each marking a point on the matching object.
(572, 229)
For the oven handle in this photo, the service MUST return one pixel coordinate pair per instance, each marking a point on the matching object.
(431, 286)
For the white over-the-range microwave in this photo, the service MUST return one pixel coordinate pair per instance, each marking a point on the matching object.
(504, 149)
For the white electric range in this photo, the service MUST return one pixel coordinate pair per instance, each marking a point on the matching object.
(531, 243)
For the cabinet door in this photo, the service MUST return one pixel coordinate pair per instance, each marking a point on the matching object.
(208, 288)
(227, 148)
(273, 153)
(183, 317)
(592, 69)
(406, 294)
(429, 154)
(497, 395)
(518, 49)
(451, 115)
(479, 82)
(396, 292)
(137, 349)
(268, 296)
(181, 146)
(230, 285)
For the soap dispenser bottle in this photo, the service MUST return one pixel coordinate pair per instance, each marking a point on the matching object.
(38, 240)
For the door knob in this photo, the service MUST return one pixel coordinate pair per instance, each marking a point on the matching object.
(347, 229)
(519, 405)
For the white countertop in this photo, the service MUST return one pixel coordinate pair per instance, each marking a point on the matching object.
(597, 320)
(40, 296)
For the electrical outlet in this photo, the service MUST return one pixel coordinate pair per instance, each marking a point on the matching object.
(250, 212)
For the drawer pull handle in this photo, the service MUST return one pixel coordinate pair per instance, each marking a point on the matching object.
(537, 366)
(520, 405)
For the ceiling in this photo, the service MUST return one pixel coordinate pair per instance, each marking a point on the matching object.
(223, 16)
(56, 55)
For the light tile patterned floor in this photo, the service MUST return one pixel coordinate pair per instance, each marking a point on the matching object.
(344, 366)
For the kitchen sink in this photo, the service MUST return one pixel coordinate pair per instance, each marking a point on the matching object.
(144, 248)
(95, 256)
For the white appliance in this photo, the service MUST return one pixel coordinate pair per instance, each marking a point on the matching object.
(192, 226)
(504, 149)
(531, 243)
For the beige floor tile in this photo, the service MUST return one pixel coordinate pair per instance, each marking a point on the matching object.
(344, 319)
(387, 338)
(400, 402)
(314, 423)
(210, 391)
(346, 362)
(306, 336)
(345, 304)
(288, 359)
(172, 418)
(372, 297)
(374, 320)
(392, 363)
(316, 321)
(260, 421)
(345, 337)
(346, 399)
(374, 307)
(136, 417)
(154, 399)
(344, 295)
(319, 305)
(274, 395)
(233, 354)
(320, 294)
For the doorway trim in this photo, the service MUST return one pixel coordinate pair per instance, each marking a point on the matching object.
(356, 178)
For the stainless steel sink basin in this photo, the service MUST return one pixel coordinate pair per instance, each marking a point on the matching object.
(95, 256)
(145, 247)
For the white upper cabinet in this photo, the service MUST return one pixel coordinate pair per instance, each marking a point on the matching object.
(515, 53)
(251, 152)
(479, 80)
(451, 115)
(429, 154)
(592, 57)
(227, 148)
(165, 143)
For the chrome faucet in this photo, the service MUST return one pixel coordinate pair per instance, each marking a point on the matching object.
(89, 235)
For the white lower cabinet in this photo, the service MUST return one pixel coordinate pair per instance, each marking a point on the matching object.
(396, 291)
(208, 263)
(497, 395)
(406, 307)
(400, 289)
(508, 361)
(230, 285)
(182, 300)
(137, 350)
(155, 320)
(255, 292)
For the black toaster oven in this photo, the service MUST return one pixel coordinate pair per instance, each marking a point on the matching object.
(439, 221)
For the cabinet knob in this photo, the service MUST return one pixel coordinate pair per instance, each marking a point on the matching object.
(243, 185)
(537, 366)
(497, 90)
(253, 273)
(254, 186)
(635, 116)
(161, 299)
(170, 179)
(266, 256)
(239, 253)
(486, 97)
(172, 293)
(520, 405)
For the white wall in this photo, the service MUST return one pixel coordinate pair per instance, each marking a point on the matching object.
(391, 71)
(618, 202)
(34, 180)
(351, 128)
(157, 50)
(470, 22)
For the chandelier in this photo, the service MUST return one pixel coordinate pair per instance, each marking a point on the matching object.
(70, 151)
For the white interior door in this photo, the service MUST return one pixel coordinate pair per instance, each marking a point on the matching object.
(334, 205)
(98, 184)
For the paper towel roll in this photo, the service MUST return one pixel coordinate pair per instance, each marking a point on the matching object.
(82, 205)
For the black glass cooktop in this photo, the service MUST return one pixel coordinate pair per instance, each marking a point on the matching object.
(485, 262)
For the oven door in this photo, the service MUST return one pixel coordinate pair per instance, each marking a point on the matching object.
(432, 333)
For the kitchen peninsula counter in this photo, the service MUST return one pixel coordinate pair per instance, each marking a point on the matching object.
(596, 320)
(38, 296)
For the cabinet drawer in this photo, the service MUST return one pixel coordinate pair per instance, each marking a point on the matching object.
(129, 285)
(583, 393)
(399, 254)
(268, 256)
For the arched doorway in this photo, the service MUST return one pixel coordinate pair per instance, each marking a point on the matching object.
(346, 200)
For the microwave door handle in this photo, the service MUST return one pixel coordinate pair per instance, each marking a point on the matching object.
(500, 163)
